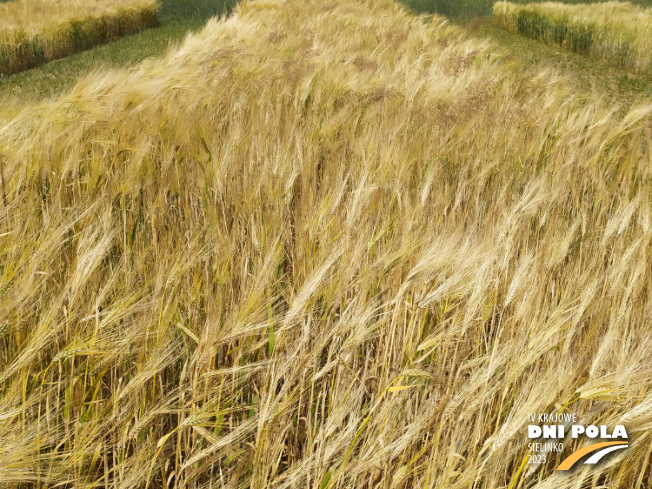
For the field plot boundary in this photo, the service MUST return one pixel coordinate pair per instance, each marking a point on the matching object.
(24, 48)
(609, 31)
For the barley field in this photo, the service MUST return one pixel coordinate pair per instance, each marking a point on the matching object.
(618, 32)
(35, 31)
(474, 9)
(322, 244)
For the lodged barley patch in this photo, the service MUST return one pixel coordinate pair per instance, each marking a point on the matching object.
(322, 244)
(36, 31)
(618, 32)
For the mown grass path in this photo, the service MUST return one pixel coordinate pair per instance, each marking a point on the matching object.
(528, 56)
(177, 17)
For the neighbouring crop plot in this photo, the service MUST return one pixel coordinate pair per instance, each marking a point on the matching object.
(618, 32)
(321, 244)
(36, 31)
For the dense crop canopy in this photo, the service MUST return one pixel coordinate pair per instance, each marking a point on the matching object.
(618, 32)
(321, 244)
(35, 31)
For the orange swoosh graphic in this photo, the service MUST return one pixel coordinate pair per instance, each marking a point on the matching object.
(574, 457)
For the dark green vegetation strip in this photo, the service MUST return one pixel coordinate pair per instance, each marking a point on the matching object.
(479, 8)
(177, 18)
